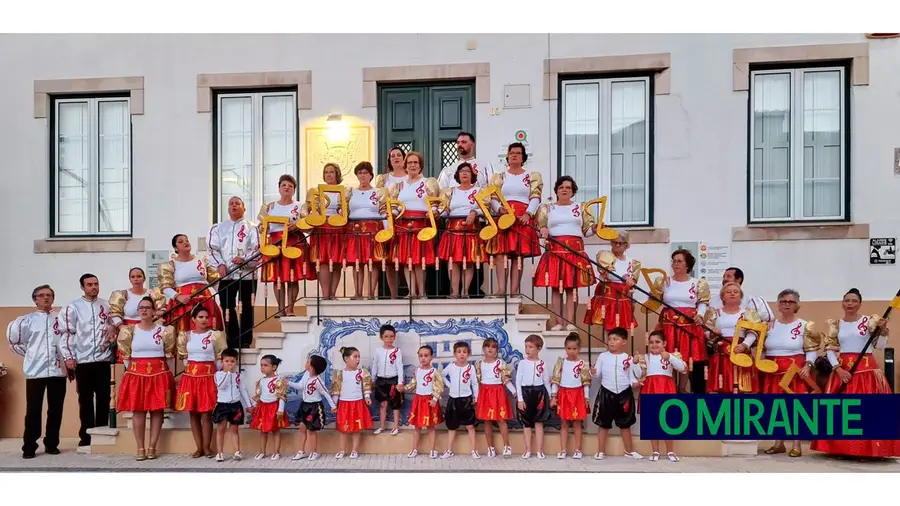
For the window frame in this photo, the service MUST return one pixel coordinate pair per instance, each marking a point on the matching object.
(796, 71)
(258, 172)
(649, 77)
(93, 100)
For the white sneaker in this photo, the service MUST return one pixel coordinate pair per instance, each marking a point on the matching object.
(492, 452)
(395, 431)
(526, 455)
(541, 456)
(672, 457)
(433, 454)
(276, 456)
(556, 328)
(299, 456)
(84, 450)
(220, 457)
(238, 456)
(600, 456)
(259, 456)
(339, 455)
(576, 454)
(447, 454)
(507, 451)
(314, 456)
(378, 431)
(354, 455)
(413, 454)
(571, 328)
(634, 455)
(475, 454)
(561, 455)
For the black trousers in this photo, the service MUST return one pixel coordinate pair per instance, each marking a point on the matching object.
(239, 328)
(92, 380)
(698, 378)
(34, 404)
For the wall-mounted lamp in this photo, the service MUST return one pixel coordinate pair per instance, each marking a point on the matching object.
(337, 129)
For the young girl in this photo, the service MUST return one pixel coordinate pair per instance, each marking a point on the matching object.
(492, 374)
(463, 390)
(570, 392)
(311, 415)
(533, 392)
(426, 410)
(232, 402)
(615, 400)
(387, 367)
(657, 371)
(201, 349)
(352, 389)
(268, 415)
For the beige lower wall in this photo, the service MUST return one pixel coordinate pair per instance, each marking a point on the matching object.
(12, 386)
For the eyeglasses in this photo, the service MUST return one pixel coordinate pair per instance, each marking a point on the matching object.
(619, 243)
(678, 261)
(788, 302)
(145, 308)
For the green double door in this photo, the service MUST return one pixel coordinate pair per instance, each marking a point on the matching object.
(426, 119)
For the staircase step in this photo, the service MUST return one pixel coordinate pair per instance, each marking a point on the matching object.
(250, 356)
(268, 340)
(532, 322)
(294, 324)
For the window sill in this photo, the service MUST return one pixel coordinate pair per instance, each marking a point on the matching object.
(637, 236)
(800, 232)
(87, 245)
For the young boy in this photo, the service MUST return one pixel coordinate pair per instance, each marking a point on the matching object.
(387, 369)
(311, 415)
(463, 389)
(533, 392)
(615, 400)
(233, 401)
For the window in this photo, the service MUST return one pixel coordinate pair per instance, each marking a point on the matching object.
(606, 144)
(256, 139)
(91, 166)
(798, 145)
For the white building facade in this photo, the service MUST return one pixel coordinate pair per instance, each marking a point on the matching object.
(781, 150)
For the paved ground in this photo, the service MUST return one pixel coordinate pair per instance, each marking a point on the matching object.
(70, 461)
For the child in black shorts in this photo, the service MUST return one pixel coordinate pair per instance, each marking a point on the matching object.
(233, 401)
(462, 385)
(387, 369)
(311, 415)
(615, 400)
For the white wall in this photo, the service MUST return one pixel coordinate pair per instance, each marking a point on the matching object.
(700, 167)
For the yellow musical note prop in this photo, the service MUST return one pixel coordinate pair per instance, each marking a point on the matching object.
(388, 233)
(490, 230)
(765, 365)
(506, 220)
(340, 219)
(741, 359)
(428, 233)
(793, 370)
(316, 216)
(652, 305)
(271, 250)
(603, 232)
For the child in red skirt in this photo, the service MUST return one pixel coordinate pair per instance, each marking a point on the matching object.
(570, 393)
(493, 405)
(426, 410)
(352, 391)
(657, 367)
(268, 414)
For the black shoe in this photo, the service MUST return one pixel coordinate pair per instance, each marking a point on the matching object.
(51, 451)
(84, 442)
(26, 455)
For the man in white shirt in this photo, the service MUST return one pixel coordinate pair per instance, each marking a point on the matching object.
(235, 242)
(758, 304)
(465, 147)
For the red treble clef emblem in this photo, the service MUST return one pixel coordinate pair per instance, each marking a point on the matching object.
(237, 379)
(576, 211)
(539, 368)
(206, 340)
(467, 374)
(295, 211)
(271, 385)
(497, 369)
(795, 332)
(200, 267)
(863, 326)
(393, 356)
(527, 180)
(373, 198)
(472, 197)
(56, 327)
(358, 377)
(102, 315)
(429, 376)
(576, 372)
(241, 235)
(420, 191)
(693, 291)
(475, 168)
(664, 363)
(626, 364)
(311, 387)
(157, 336)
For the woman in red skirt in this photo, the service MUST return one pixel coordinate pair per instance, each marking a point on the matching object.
(408, 251)
(522, 190)
(657, 368)
(460, 246)
(148, 350)
(285, 271)
(564, 267)
(725, 377)
(611, 305)
(394, 173)
(123, 304)
(844, 341)
(268, 412)
(201, 349)
(684, 328)
(352, 389)
(570, 393)
(326, 243)
(184, 280)
(493, 405)
(425, 413)
(790, 341)
(364, 254)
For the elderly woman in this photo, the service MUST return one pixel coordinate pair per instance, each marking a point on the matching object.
(184, 280)
(326, 243)
(784, 346)
(611, 305)
(844, 345)
(364, 254)
(564, 267)
(724, 376)
(683, 325)
(409, 252)
(461, 247)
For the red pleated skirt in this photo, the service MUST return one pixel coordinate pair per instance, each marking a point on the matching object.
(868, 379)
(326, 245)
(656, 384)
(559, 268)
(723, 374)
(362, 247)
(197, 391)
(493, 403)
(571, 404)
(407, 248)
(286, 270)
(611, 307)
(179, 315)
(148, 385)
(354, 416)
(423, 414)
(461, 241)
(682, 334)
(265, 418)
(770, 382)
(518, 240)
